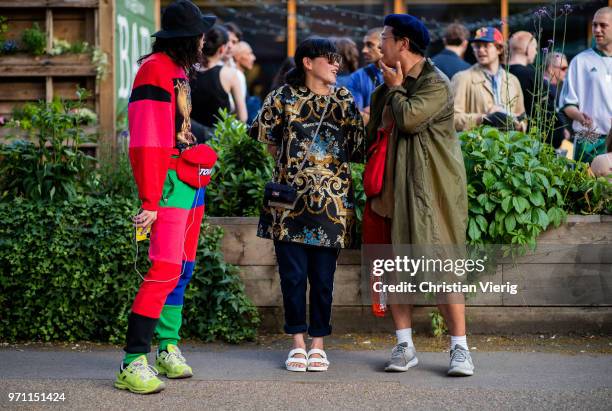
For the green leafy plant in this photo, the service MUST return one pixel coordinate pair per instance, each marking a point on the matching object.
(114, 176)
(59, 47)
(79, 47)
(512, 195)
(44, 162)
(243, 169)
(100, 60)
(216, 305)
(3, 28)
(67, 274)
(596, 195)
(34, 40)
(582, 194)
(63, 47)
(438, 326)
(518, 187)
(360, 197)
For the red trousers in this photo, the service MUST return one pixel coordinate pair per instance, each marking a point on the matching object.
(376, 229)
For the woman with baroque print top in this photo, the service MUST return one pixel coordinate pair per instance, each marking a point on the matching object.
(308, 237)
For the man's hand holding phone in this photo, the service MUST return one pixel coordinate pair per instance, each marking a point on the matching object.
(145, 219)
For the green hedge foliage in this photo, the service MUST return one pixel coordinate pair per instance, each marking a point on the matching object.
(68, 273)
(242, 170)
(44, 163)
(518, 187)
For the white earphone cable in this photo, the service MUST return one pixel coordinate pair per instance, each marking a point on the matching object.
(192, 212)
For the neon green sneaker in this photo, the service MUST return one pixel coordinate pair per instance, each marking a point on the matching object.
(139, 377)
(172, 364)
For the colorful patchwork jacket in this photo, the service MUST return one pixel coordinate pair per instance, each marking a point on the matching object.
(159, 123)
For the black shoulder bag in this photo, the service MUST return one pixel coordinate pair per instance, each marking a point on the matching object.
(285, 195)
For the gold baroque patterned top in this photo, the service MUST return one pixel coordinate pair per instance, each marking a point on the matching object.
(325, 211)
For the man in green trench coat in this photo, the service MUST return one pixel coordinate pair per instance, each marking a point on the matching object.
(424, 195)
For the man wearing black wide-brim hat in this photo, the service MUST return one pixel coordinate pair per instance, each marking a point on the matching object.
(423, 201)
(159, 123)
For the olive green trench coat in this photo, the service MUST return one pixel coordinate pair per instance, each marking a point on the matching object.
(430, 188)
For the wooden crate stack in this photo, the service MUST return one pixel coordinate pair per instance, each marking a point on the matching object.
(27, 78)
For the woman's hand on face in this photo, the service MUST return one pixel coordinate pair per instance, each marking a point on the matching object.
(393, 76)
(145, 218)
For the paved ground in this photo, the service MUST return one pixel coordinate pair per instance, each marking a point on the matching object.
(252, 377)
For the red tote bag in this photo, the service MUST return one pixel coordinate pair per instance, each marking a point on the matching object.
(375, 167)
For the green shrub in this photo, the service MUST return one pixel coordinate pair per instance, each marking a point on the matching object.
(437, 323)
(512, 197)
(360, 197)
(583, 193)
(64, 47)
(518, 187)
(243, 169)
(67, 273)
(45, 162)
(216, 305)
(4, 28)
(114, 177)
(34, 40)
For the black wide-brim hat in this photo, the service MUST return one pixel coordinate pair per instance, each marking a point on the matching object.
(184, 19)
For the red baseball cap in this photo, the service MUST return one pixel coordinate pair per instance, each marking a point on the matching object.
(488, 35)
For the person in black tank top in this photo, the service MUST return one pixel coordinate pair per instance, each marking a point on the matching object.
(212, 84)
(208, 96)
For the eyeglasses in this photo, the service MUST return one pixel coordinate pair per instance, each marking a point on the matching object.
(332, 58)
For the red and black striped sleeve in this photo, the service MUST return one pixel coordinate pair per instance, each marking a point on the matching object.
(151, 125)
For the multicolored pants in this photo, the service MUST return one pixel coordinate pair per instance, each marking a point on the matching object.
(157, 308)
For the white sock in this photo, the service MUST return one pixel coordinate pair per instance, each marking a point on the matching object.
(459, 339)
(404, 336)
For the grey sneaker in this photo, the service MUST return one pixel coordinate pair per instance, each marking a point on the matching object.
(402, 358)
(461, 364)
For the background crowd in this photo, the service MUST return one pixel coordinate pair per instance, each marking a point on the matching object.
(514, 84)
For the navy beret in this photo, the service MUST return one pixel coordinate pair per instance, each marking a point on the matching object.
(406, 25)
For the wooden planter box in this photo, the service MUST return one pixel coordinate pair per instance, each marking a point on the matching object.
(534, 309)
(27, 78)
(5, 132)
(65, 65)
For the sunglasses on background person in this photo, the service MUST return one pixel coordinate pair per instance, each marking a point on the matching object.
(332, 58)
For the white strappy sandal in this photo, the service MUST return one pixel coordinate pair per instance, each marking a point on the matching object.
(297, 360)
(317, 360)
